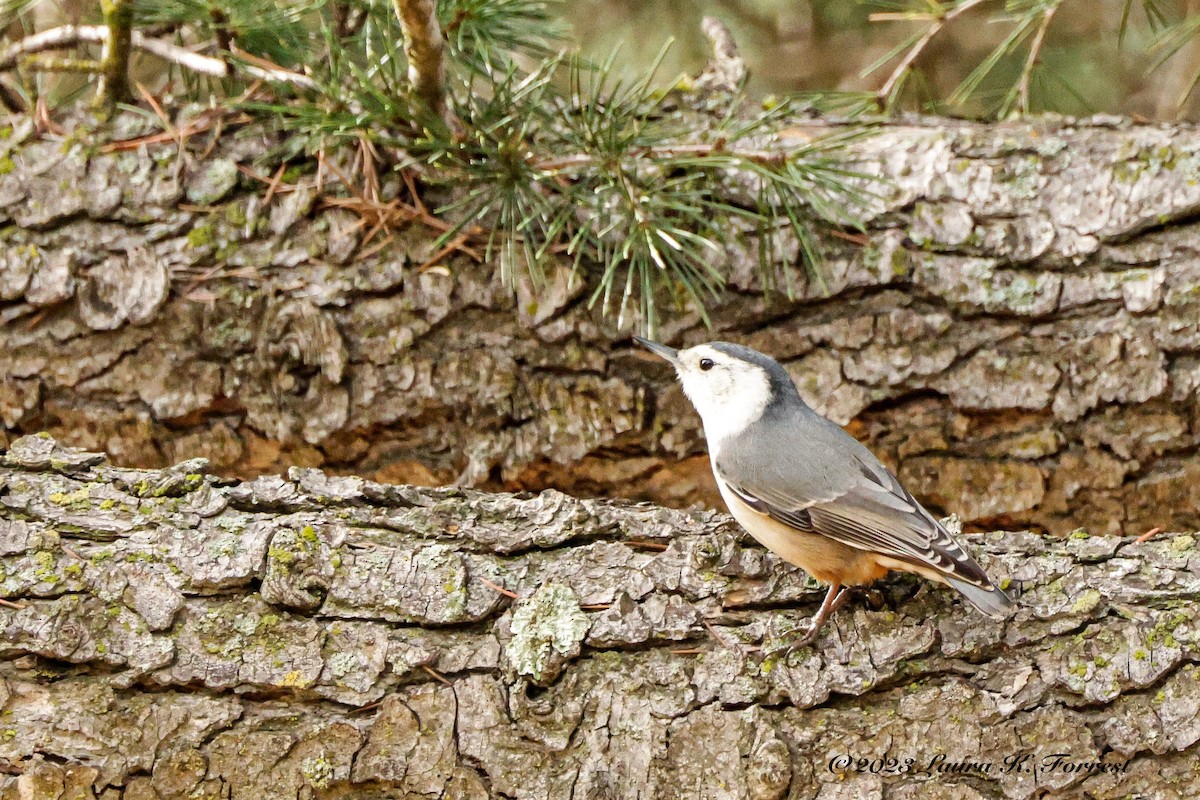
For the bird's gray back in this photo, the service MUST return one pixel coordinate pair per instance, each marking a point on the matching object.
(794, 446)
(801, 468)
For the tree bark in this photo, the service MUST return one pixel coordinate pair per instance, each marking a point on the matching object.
(1017, 333)
(171, 634)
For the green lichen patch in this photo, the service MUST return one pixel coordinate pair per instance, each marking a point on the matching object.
(547, 628)
(1086, 602)
(175, 482)
(1182, 543)
(201, 236)
(217, 178)
(225, 643)
(299, 569)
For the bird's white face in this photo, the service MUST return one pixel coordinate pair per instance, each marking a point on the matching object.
(729, 393)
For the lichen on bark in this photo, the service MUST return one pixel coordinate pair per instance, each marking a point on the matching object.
(175, 634)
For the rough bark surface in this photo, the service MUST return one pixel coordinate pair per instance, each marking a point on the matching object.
(169, 634)
(1018, 334)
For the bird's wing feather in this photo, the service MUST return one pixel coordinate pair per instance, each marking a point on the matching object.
(868, 509)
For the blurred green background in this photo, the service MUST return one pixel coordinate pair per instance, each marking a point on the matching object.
(798, 45)
(1085, 65)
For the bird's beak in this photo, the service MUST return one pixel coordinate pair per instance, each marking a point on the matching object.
(661, 350)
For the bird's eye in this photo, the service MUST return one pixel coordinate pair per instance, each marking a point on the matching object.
(706, 364)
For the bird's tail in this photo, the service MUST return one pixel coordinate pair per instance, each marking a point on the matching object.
(990, 600)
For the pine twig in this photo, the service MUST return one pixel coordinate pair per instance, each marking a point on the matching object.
(726, 70)
(766, 158)
(70, 35)
(1035, 52)
(426, 52)
(113, 85)
(915, 51)
(41, 62)
(54, 39)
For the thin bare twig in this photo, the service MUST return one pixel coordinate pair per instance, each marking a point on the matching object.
(161, 114)
(915, 51)
(71, 35)
(205, 122)
(42, 62)
(769, 158)
(53, 39)
(1035, 52)
(495, 587)
(646, 545)
(261, 68)
(41, 115)
(860, 239)
(273, 186)
(425, 49)
(455, 244)
(437, 675)
(411, 185)
(367, 252)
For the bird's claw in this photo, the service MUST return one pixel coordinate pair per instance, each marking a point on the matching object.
(786, 650)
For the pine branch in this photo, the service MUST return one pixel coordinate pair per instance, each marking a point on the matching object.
(425, 49)
(68, 36)
(1035, 52)
(769, 158)
(1026, 18)
(940, 21)
(726, 71)
(113, 84)
(610, 173)
(54, 39)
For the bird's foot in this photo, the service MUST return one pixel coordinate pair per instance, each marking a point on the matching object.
(798, 643)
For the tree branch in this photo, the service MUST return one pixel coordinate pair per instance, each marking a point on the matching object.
(52, 39)
(113, 84)
(72, 35)
(425, 48)
(173, 635)
(770, 158)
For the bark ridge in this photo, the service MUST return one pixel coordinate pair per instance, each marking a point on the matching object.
(173, 634)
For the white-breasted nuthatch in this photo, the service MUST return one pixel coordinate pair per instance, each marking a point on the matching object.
(808, 490)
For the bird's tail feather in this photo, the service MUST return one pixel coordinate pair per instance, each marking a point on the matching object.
(991, 601)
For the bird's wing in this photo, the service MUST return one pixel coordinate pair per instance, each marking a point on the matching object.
(867, 509)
